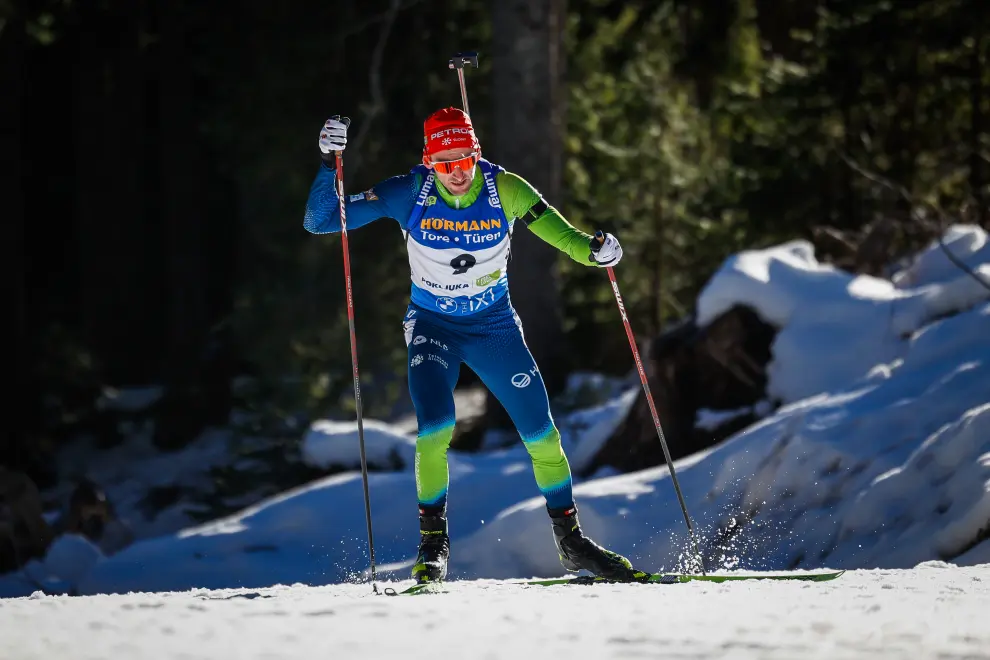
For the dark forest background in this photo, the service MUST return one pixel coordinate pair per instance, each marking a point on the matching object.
(156, 157)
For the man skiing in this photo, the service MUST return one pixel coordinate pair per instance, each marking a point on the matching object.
(457, 212)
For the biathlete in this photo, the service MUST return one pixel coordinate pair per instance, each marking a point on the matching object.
(457, 212)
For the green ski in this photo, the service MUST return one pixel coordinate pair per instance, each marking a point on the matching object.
(655, 578)
(676, 578)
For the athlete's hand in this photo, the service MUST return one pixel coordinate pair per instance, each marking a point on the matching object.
(605, 249)
(333, 135)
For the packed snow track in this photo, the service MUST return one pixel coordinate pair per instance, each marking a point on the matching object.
(933, 611)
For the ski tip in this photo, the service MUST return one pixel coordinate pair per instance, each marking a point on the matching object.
(418, 589)
(671, 578)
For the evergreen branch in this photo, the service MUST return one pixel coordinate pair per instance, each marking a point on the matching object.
(388, 16)
(375, 78)
(915, 202)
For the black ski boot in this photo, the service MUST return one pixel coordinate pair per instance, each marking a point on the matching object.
(434, 547)
(578, 552)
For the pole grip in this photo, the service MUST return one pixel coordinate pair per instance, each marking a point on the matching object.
(600, 237)
(460, 60)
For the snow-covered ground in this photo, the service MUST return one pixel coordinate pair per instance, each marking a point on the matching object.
(933, 611)
(878, 458)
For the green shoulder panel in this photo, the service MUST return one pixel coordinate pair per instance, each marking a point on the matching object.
(518, 197)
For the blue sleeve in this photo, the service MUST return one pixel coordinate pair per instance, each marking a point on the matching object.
(391, 198)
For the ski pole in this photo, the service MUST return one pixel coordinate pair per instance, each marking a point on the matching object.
(354, 357)
(653, 409)
(458, 63)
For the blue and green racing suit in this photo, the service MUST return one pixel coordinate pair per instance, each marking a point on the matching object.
(460, 310)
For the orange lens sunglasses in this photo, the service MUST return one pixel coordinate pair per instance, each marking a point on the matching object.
(448, 166)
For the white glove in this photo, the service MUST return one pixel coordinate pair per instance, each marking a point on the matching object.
(605, 250)
(333, 136)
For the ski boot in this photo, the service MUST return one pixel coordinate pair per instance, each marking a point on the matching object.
(577, 551)
(434, 547)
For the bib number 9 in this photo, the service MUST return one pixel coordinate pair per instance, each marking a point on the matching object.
(462, 263)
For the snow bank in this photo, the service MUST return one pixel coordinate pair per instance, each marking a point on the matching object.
(709, 420)
(937, 503)
(133, 399)
(835, 327)
(584, 432)
(968, 243)
(330, 443)
(69, 559)
(131, 470)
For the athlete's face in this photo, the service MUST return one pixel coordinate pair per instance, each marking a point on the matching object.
(458, 181)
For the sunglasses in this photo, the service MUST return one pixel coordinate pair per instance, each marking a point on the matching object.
(448, 166)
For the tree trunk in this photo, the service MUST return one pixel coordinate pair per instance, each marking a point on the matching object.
(977, 179)
(528, 140)
(846, 101)
(659, 220)
(195, 360)
(108, 94)
(23, 413)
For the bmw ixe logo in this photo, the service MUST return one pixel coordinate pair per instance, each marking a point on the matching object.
(446, 305)
(521, 380)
